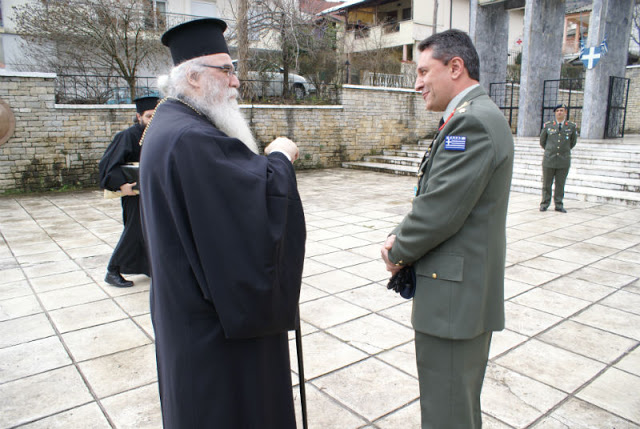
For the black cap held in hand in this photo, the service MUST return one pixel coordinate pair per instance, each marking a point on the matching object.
(196, 38)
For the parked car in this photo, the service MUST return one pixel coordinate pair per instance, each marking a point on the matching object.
(268, 83)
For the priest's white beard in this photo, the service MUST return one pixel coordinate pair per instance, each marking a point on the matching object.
(219, 103)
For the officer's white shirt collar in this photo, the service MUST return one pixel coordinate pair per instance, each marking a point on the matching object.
(456, 100)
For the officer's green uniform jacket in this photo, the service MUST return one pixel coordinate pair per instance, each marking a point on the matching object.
(454, 234)
(557, 144)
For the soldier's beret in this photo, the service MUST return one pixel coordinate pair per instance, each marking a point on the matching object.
(564, 106)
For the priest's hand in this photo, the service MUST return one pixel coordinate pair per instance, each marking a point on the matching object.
(384, 252)
(127, 189)
(283, 144)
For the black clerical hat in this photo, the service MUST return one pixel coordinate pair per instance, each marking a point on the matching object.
(145, 103)
(564, 106)
(195, 39)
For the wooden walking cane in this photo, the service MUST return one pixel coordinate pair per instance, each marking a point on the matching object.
(303, 394)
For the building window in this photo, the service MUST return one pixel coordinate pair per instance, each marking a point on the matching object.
(406, 14)
(203, 8)
(158, 16)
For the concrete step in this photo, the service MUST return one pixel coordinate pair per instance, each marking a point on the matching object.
(603, 171)
(402, 170)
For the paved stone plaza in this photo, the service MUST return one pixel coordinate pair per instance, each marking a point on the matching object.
(77, 353)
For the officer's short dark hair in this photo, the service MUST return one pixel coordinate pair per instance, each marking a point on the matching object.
(453, 43)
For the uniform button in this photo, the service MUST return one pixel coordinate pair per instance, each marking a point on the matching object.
(434, 275)
(400, 263)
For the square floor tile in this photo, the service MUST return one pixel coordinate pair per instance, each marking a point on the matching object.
(400, 313)
(370, 388)
(374, 297)
(135, 304)
(549, 364)
(612, 320)
(87, 417)
(602, 277)
(373, 270)
(104, 339)
(582, 253)
(323, 412)
(503, 341)
(403, 358)
(406, 418)
(60, 281)
(514, 398)
(588, 341)
(616, 391)
(18, 307)
(577, 414)
(373, 333)
(340, 259)
(50, 268)
(578, 288)
(552, 265)
(625, 301)
(24, 329)
(336, 281)
(316, 361)
(527, 321)
(312, 267)
(631, 362)
(116, 373)
(40, 395)
(529, 275)
(329, 311)
(617, 266)
(32, 358)
(551, 302)
(86, 315)
(68, 297)
(135, 409)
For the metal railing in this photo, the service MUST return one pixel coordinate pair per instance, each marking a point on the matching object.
(100, 89)
(96, 89)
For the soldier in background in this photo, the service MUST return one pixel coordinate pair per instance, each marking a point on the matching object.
(129, 255)
(557, 139)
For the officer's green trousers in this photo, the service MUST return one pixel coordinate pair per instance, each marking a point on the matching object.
(450, 374)
(549, 175)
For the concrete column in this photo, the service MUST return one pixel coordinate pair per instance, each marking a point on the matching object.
(489, 30)
(613, 19)
(541, 59)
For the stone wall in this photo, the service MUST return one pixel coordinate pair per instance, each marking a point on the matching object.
(60, 145)
(632, 122)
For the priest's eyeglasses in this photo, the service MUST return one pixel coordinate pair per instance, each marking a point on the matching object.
(228, 70)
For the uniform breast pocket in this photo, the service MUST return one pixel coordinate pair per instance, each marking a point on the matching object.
(441, 266)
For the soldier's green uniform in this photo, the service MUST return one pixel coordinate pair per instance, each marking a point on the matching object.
(455, 239)
(557, 140)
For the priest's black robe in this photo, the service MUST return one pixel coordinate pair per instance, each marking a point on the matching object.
(129, 256)
(225, 231)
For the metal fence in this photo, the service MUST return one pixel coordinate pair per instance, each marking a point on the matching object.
(562, 91)
(101, 89)
(96, 89)
(506, 95)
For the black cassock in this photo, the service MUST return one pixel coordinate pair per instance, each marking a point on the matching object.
(129, 256)
(225, 231)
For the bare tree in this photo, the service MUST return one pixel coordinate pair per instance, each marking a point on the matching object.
(635, 28)
(99, 37)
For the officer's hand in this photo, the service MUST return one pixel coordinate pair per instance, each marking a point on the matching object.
(384, 252)
(127, 189)
(283, 144)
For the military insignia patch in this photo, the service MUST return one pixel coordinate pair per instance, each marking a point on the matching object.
(458, 143)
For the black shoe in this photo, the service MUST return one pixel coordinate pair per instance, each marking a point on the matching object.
(543, 208)
(561, 210)
(115, 279)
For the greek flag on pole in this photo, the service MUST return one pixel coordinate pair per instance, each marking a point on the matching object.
(591, 56)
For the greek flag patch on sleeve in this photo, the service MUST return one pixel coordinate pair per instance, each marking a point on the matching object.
(455, 143)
